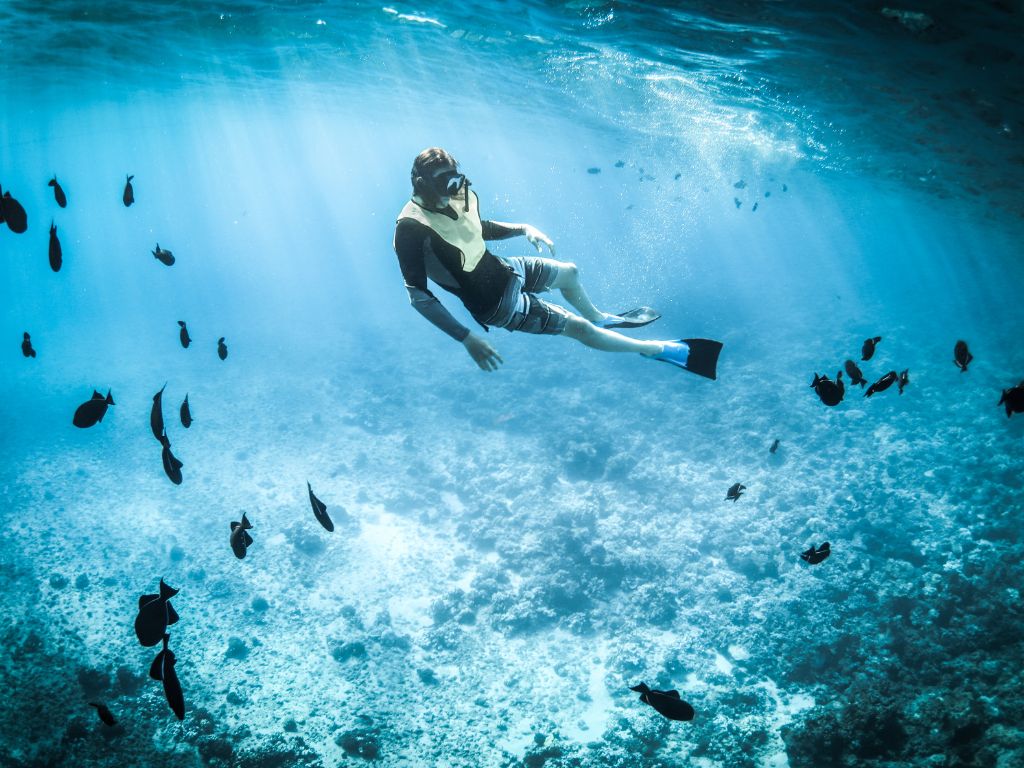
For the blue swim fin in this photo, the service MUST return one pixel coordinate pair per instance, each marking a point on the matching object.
(634, 318)
(699, 356)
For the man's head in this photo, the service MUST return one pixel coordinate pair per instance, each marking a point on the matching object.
(435, 176)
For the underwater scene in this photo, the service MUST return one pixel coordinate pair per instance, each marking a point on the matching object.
(516, 383)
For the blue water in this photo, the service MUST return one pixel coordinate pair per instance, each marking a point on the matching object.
(514, 550)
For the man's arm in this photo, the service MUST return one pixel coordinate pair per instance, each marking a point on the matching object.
(500, 230)
(409, 247)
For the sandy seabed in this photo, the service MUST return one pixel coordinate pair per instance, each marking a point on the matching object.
(512, 553)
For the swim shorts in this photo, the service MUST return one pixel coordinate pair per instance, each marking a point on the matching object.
(520, 309)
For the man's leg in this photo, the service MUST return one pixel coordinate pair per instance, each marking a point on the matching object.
(567, 280)
(608, 341)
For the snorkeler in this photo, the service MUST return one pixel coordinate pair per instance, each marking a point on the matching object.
(440, 235)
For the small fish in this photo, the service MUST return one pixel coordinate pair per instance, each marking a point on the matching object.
(666, 703)
(12, 212)
(785, 188)
(775, 447)
(815, 556)
(883, 383)
(186, 414)
(56, 255)
(163, 255)
(620, 163)
(1013, 399)
(101, 709)
(155, 615)
(319, 509)
(222, 349)
(741, 184)
(240, 540)
(737, 202)
(904, 379)
(677, 177)
(867, 350)
(156, 414)
(768, 193)
(172, 467)
(26, 346)
(754, 207)
(162, 669)
(962, 356)
(93, 410)
(735, 491)
(183, 335)
(829, 392)
(593, 170)
(856, 377)
(129, 193)
(58, 192)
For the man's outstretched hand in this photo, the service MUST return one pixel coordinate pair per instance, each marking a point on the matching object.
(482, 352)
(536, 237)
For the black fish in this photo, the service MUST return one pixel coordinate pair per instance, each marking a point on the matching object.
(883, 383)
(58, 192)
(240, 540)
(904, 379)
(162, 668)
(172, 467)
(319, 509)
(186, 414)
(666, 703)
(26, 346)
(12, 212)
(815, 556)
(856, 377)
(775, 447)
(962, 356)
(92, 410)
(619, 163)
(163, 256)
(56, 255)
(868, 350)
(129, 193)
(156, 415)
(222, 349)
(183, 335)
(735, 491)
(1013, 399)
(830, 392)
(155, 614)
(105, 714)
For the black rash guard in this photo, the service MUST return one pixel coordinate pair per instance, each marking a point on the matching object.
(423, 254)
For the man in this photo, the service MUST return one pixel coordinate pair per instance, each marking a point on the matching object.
(440, 235)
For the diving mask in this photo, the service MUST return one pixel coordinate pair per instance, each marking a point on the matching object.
(447, 183)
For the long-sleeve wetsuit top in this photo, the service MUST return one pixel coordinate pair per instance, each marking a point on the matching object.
(423, 254)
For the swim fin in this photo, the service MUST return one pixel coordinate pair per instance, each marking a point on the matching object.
(699, 356)
(634, 318)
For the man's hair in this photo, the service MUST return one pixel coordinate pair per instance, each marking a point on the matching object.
(428, 160)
